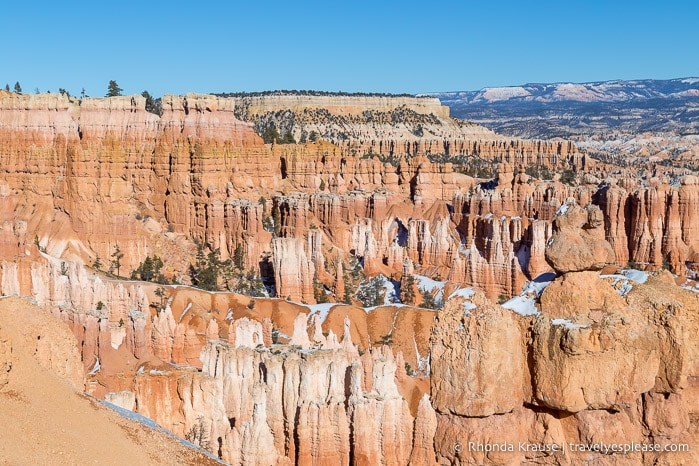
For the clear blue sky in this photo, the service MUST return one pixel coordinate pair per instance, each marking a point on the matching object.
(203, 46)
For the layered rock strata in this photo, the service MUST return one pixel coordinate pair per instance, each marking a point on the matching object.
(625, 369)
(254, 406)
(394, 126)
(83, 178)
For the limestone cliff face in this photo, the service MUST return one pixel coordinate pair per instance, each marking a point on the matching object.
(255, 407)
(294, 271)
(630, 363)
(394, 125)
(81, 178)
(90, 171)
(622, 365)
(252, 106)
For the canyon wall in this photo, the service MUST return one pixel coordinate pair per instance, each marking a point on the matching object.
(497, 372)
(81, 178)
(394, 126)
(319, 382)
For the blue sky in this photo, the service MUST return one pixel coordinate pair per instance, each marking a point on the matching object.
(203, 46)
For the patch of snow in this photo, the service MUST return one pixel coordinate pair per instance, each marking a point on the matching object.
(423, 363)
(494, 94)
(468, 307)
(522, 305)
(189, 306)
(439, 297)
(635, 275)
(229, 316)
(321, 309)
(391, 290)
(463, 292)
(568, 324)
(525, 303)
(428, 284)
(690, 80)
(539, 283)
(148, 422)
(96, 367)
(621, 283)
(625, 288)
(562, 209)
(523, 256)
(466, 293)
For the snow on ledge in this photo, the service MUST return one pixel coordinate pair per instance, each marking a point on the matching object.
(522, 305)
(463, 292)
(525, 303)
(568, 324)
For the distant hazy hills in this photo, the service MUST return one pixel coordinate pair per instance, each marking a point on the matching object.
(588, 109)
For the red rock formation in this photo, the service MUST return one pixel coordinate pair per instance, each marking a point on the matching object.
(241, 396)
(77, 180)
(293, 270)
(623, 369)
(195, 170)
(476, 388)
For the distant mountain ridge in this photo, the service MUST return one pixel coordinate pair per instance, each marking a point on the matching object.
(587, 109)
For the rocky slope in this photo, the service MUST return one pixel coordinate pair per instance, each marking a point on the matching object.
(496, 374)
(46, 418)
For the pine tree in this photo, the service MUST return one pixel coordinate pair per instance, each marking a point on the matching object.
(7, 87)
(97, 264)
(18, 88)
(152, 105)
(370, 293)
(161, 293)
(117, 255)
(288, 138)
(239, 256)
(428, 301)
(271, 135)
(113, 89)
(206, 272)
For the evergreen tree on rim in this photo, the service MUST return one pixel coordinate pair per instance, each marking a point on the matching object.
(113, 90)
